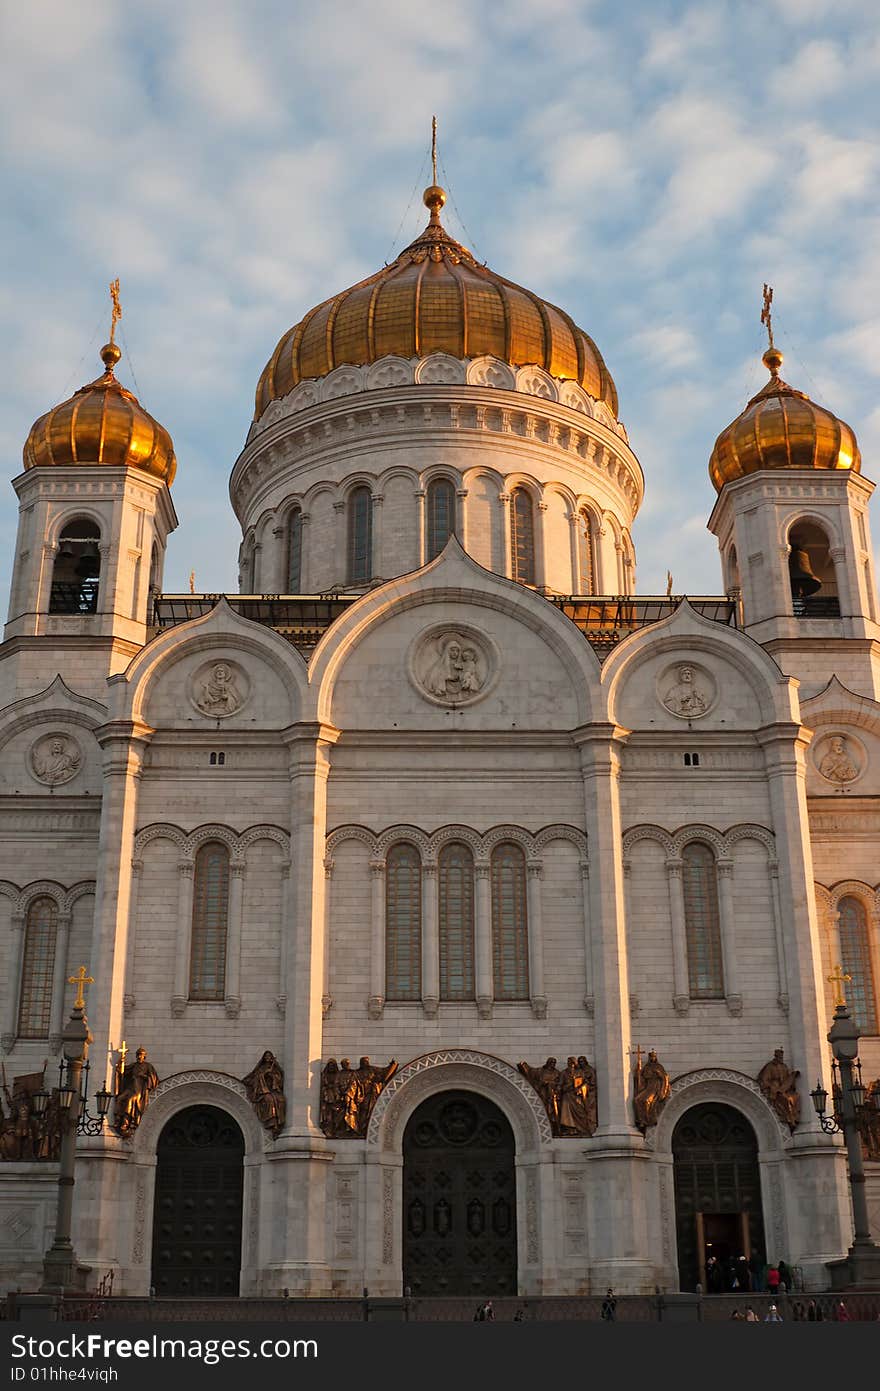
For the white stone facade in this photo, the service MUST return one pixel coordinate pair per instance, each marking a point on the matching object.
(588, 767)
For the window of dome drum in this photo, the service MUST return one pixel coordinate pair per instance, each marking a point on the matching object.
(294, 552)
(403, 923)
(585, 539)
(76, 569)
(855, 957)
(510, 939)
(455, 887)
(522, 537)
(38, 968)
(441, 516)
(360, 536)
(702, 922)
(207, 979)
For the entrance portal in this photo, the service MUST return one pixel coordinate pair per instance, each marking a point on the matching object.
(197, 1209)
(718, 1214)
(459, 1198)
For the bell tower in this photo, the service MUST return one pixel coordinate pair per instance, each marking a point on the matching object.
(95, 513)
(792, 527)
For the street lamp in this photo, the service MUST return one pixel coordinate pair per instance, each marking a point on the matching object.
(60, 1265)
(861, 1269)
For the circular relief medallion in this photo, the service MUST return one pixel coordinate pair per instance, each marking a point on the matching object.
(453, 665)
(686, 690)
(840, 759)
(55, 759)
(219, 689)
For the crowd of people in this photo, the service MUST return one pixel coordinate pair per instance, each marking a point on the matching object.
(742, 1275)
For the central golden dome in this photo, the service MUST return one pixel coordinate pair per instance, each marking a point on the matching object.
(435, 298)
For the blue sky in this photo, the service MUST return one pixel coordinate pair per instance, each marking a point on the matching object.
(646, 165)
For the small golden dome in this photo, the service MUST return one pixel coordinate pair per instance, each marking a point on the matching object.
(782, 428)
(435, 298)
(102, 424)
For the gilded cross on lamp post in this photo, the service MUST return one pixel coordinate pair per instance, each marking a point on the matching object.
(80, 980)
(837, 978)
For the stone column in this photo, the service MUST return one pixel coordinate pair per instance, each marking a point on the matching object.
(537, 990)
(430, 941)
(727, 916)
(232, 990)
(778, 936)
(377, 559)
(421, 527)
(183, 944)
(13, 981)
(483, 934)
(506, 555)
(59, 980)
(44, 580)
(376, 1000)
(681, 990)
(341, 577)
(574, 545)
(461, 522)
(279, 536)
(281, 997)
(540, 515)
(128, 999)
(257, 561)
(589, 997)
(305, 578)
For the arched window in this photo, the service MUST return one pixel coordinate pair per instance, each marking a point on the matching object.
(294, 551)
(360, 536)
(38, 969)
(855, 958)
(811, 573)
(510, 935)
(207, 971)
(522, 537)
(77, 569)
(403, 923)
(586, 554)
(441, 516)
(702, 922)
(455, 888)
(732, 569)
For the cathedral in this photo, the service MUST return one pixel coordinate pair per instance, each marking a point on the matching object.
(454, 920)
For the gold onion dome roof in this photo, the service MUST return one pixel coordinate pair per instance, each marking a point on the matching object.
(102, 423)
(782, 428)
(435, 298)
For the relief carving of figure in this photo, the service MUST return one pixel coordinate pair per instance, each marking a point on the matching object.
(869, 1121)
(349, 1094)
(265, 1089)
(684, 697)
(569, 1096)
(837, 765)
(454, 671)
(137, 1081)
(650, 1091)
(219, 694)
(778, 1082)
(59, 763)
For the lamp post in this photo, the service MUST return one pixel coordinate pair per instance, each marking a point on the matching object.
(60, 1265)
(861, 1269)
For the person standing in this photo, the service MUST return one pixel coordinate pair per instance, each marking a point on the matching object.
(609, 1307)
(773, 1315)
(773, 1279)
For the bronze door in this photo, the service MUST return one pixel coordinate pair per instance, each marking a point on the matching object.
(718, 1209)
(459, 1198)
(197, 1208)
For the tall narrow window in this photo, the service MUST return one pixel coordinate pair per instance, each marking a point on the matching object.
(702, 922)
(207, 972)
(455, 888)
(441, 516)
(77, 569)
(294, 552)
(510, 936)
(403, 923)
(522, 537)
(360, 536)
(855, 958)
(587, 567)
(38, 968)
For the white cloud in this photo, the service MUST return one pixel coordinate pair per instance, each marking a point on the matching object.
(816, 70)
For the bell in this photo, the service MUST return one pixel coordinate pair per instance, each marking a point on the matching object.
(803, 581)
(89, 564)
(65, 551)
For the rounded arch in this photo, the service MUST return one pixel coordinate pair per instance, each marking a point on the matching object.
(730, 1088)
(264, 832)
(492, 372)
(41, 888)
(74, 513)
(340, 834)
(404, 471)
(804, 515)
(534, 381)
(471, 475)
(459, 1069)
(446, 835)
(311, 495)
(632, 837)
(547, 834)
(211, 831)
(699, 834)
(395, 834)
(78, 891)
(160, 830)
(198, 1087)
(496, 835)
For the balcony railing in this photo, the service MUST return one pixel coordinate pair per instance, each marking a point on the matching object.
(817, 606)
(77, 596)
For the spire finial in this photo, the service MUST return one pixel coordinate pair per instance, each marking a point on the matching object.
(435, 196)
(110, 353)
(772, 358)
(838, 979)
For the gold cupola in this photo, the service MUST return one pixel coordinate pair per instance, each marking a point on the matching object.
(102, 423)
(781, 428)
(435, 298)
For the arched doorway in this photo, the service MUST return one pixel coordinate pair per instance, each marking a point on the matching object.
(459, 1198)
(718, 1211)
(197, 1207)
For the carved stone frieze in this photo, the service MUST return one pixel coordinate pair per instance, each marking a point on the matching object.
(349, 1094)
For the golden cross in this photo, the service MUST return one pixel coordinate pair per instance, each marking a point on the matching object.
(434, 148)
(765, 312)
(837, 977)
(80, 980)
(192, 581)
(638, 1051)
(116, 312)
(122, 1050)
